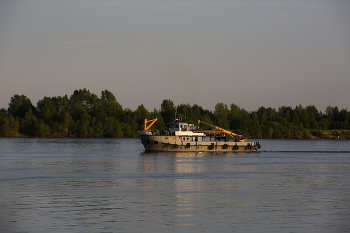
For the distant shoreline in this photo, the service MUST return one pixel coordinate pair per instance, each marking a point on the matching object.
(329, 134)
(312, 134)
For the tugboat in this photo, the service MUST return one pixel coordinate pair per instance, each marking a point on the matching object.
(183, 137)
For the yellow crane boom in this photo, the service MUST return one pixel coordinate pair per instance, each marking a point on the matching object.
(146, 121)
(233, 135)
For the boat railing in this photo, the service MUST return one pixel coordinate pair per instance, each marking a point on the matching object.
(163, 133)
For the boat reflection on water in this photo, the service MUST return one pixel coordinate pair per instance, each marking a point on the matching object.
(191, 154)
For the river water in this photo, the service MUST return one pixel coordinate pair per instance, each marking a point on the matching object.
(112, 185)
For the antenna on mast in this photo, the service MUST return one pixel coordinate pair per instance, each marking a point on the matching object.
(175, 112)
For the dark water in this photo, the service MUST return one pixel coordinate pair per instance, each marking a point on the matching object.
(111, 185)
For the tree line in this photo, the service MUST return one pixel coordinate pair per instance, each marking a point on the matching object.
(84, 114)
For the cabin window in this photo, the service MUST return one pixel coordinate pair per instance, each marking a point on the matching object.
(199, 138)
(171, 126)
(188, 139)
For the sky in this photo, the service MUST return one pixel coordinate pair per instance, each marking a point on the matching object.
(251, 53)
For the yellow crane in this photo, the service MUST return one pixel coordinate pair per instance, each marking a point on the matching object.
(238, 137)
(146, 121)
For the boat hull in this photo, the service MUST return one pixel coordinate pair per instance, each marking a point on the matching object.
(185, 144)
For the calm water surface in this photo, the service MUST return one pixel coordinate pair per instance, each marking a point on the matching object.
(111, 185)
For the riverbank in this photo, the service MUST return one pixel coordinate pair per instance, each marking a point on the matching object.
(311, 134)
(330, 134)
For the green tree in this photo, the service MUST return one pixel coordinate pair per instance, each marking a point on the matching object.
(343, 120)
(67, 125)
(267, 131)
(303, 116)
(61, 104)
(29, 124)
(9, 127)
(110, 127)
(140, 115)
(221, 115)
(97, 128)
(83, 126)
(160, 122)
(109, 104)
(285, 112)
(46, 110)
(246, 121)
(43, 130)
(183, 112)
(195, 114)
(313, 112)
(130, 127)
(271, 114)
(206, 118)
(20, 105)
(167, 110)
(235, 117)
(82, 101)
(255, 129)
(262, 115)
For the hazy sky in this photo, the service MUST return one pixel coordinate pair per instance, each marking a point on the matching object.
(252, 53)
